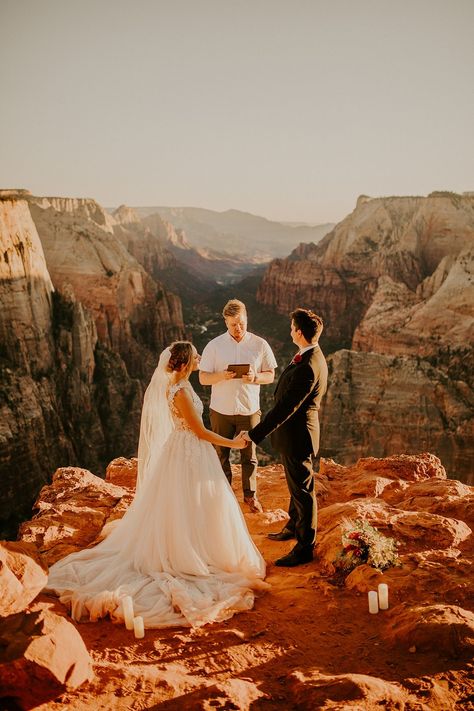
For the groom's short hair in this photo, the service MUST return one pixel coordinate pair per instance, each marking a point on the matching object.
(309, 323)
(234, 307)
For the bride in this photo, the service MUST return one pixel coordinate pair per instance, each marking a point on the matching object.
(182, 551)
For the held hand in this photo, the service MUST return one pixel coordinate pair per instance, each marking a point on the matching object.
(245, 435)
(250, 377)
(239, 442)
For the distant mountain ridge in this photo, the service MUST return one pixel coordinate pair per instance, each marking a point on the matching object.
(165, 252)
(237, 233)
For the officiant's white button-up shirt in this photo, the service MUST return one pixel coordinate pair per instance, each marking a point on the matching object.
(235, 397)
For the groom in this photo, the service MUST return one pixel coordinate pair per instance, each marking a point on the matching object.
(294, 427)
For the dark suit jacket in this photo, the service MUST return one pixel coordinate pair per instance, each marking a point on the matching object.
(293, 421)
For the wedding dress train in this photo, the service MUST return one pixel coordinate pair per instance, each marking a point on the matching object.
(182, 551)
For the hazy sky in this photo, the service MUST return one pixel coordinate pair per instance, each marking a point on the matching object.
(288, 109)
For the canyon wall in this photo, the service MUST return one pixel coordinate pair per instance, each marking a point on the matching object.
(134, 315)
(165, 254)
(399, 404)
(394, 282)
(81, 326)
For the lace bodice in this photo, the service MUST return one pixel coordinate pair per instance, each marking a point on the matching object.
(178, 421)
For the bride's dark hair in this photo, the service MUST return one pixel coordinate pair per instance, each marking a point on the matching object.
(181, 354)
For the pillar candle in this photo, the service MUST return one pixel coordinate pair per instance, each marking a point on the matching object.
(127, 607)
(138, 627)
(383, 596)
(373, 602)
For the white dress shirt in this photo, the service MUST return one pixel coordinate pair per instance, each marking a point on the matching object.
(235, 397)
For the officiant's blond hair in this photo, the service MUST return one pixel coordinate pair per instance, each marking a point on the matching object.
(234, 307)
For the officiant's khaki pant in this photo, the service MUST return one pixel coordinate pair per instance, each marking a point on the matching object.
(229, 426)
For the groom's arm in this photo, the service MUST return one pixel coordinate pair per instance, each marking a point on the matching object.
(301, 386)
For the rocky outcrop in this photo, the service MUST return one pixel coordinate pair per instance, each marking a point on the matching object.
(402, 238)
(390, 235)
(134, 316)
(378, 403)
(438, 316)
(76, 506)
(22, 577)
(302, 281)
(163, 252)
(31, 433)
(147, 245)
(396, 277)
(42, 655)
(418, 653)
(315, 690)
(76, 356)
(25, 290)
(166, 254)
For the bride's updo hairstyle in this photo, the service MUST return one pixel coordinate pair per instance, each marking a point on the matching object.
(182, 353)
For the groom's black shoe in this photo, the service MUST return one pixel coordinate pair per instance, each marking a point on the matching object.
(295, 557)
(284, 535)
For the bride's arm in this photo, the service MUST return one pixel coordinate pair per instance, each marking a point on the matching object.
(186, 410)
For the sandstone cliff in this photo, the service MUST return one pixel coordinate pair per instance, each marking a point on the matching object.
(32, 437)
(74, 357)
(395, 277)
(163, 252)
(166, 254)
(399, 404)
(438, 315)
(134, 315)
(405, 239)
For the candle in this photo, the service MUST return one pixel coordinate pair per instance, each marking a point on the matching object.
(138, 627)
(383, 596)
(127, 607)
(373, 602)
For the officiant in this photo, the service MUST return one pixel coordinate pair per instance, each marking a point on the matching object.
(235, 390)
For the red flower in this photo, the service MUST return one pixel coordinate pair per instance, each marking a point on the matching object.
(297, 358)
(354, 536)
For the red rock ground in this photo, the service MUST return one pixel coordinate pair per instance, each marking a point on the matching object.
(303, 646)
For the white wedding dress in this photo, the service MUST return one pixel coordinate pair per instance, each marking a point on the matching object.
(182, 551)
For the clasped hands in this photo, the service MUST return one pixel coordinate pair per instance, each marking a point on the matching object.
(241, 440)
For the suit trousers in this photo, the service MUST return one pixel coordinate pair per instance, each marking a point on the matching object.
(303, 508)
(229, 426)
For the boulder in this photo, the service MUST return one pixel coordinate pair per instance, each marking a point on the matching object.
(421, 530)
(122, 472)
(314, 690)
(41, 656)
(22, 576)
(447, 630)
(72, 511)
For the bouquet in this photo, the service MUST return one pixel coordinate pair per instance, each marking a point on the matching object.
(362, 543)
